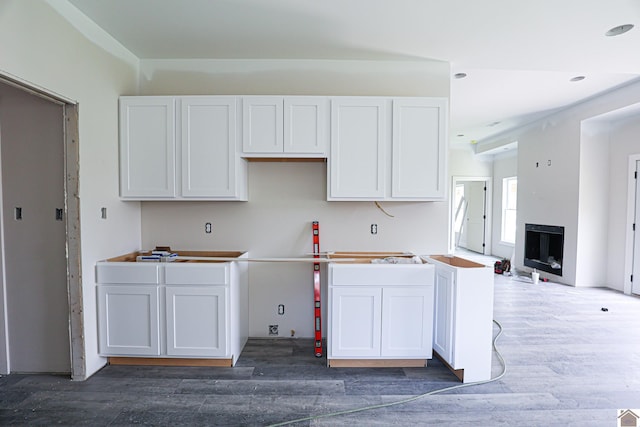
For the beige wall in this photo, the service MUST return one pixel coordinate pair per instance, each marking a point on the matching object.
(41, 47)
(284, 198)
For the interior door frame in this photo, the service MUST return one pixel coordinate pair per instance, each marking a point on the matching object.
(72, 224)
(630, 235)
(488, 203)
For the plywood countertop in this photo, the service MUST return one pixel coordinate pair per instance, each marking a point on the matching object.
(358, 257)
(131, 257)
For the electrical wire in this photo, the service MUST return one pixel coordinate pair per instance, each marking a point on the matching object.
(383, 211)
(413, 398)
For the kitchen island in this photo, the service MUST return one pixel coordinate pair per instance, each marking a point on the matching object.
(173, 311)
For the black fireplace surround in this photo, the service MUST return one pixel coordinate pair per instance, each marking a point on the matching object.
(543, 245)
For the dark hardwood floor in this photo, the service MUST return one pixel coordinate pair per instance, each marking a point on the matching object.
(568, 363)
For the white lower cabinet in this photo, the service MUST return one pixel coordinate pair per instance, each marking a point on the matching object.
(380, 312)
(463, 318)
(407, 322)
(356, 320)
(188, 308)
(129, 320)
(181, 310)
(443, 313)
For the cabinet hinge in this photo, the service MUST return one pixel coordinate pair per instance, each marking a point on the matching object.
(632, 278)
(635, 175)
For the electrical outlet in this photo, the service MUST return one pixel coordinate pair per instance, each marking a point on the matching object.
(281, 309)
(374, 228)
(273, 330)
(207, 227)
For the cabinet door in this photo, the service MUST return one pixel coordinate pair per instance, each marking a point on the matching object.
(208, 146)
(147, 147)
(305, 125)
(355, 321)
(443, 313)
(196, 320)
(407, 316)
(419, 148)
(128, 320)
(262, 130)
(357, 161)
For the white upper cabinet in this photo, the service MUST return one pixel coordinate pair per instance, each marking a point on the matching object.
(358, 147)
(289, 126)
(388, 149)
(180, 148)
(208, 147)
(419, 148)
(306, 125)
(262, 124)
(147, 147)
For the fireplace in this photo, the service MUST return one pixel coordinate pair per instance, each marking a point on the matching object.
(543, 245)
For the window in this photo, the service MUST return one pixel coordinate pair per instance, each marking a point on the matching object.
(509, 200)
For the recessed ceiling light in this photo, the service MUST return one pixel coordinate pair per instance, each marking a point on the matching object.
(460, 75)
(577, 78)
(620, 29)
(460, 135)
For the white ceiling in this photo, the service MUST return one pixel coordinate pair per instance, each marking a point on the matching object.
(518, 55)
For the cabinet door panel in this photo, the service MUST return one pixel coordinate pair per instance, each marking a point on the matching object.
(208, 146)
(419, 136)
(407, 317)
(128, 320)
(262, 124)
(357, 161)
(305, 125)
(147, 147)
(355, 322)
(196, 320)
(443, 314)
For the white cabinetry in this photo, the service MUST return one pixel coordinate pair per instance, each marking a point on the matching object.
(463, 320)
(290, 126)
(180, 147)
(211, 167)
(172, 309)
(388, 149)
(358, 146)
(129, 321)
(419, 147)
(147, 147)
(380, 312)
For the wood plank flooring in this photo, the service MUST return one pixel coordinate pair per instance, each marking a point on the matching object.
(568, 363)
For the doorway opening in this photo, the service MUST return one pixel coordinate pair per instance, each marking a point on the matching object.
(633, 220)
(40, 281)
(471, 215)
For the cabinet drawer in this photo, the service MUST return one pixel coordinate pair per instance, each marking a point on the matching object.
(127, 272)
(197, 274)
(380, 274)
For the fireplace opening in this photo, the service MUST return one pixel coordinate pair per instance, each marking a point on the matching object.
(543, 245)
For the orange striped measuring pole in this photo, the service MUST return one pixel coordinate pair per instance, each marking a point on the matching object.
(316, 289)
